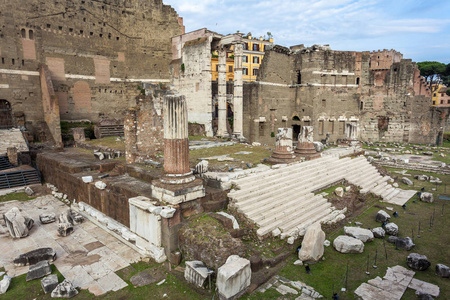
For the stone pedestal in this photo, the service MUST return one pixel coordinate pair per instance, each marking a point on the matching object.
(12, 155)
(178, 183)
(305, 147)
(283, 147)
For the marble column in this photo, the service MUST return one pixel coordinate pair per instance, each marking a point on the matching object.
(178, 184)
(283, 147)
(222, 93)
(305, 147)
(238, 91)
(176, 141)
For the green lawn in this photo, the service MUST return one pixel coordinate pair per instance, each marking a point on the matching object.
(21, 196)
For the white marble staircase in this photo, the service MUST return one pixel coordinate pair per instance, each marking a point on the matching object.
(284, 198)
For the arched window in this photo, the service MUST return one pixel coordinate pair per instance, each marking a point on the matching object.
(31, 34)
(23, 33)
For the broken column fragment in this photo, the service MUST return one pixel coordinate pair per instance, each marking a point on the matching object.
(18, 225)
(283, 152)
(178, 183)
(196, 272)
(305, 147)
(35, 256)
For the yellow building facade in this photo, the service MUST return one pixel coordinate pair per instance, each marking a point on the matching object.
(251, 60)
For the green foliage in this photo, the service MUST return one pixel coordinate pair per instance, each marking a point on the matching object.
(182, 67)
(141, 89)
(67, 126)
(433, 70)
(448, 92)
(16, 196)
(231, 56)
(272, 134)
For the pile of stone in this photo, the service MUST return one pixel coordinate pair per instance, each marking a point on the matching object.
(431, 179)
(61, 196)
(67, 220)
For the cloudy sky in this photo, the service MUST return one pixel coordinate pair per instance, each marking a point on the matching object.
(420, 29)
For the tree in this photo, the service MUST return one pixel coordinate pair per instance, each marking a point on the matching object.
(432, 70)
(269, 35)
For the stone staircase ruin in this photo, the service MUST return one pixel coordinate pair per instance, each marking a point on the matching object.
(283, 198)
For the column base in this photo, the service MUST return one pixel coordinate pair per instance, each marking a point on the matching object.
(307, 151)
(282, 158)
(177, 193)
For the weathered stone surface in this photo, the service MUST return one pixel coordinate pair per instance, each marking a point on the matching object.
(233, 278)
(39, 270)
(70, 216)
(347, 244)
(199, 240)
(17, 224)
(143, 278)
(378, 232)
(202, 167)
(318, 146)
(29, 191)
(64, 290)
(87, 179)
(64, 229)
(99, 155)
(47, 218)
(167, 212)
(407, 181)
(417, 262)
(391, 228)
(424, 287)
(284, 289)
(339, 192)
(4, 284)
(35, 256)
(100, 185)
(49, 283)
(196, 272)
(442, 271)
(382, 216)
(426, 197)
(423, 296)
(364, 235)
(402, 243)
(312, 244)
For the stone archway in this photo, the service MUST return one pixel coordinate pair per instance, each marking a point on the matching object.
(6, 119)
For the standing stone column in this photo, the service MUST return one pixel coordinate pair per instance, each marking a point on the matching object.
(130, 133)
(176, 141)
(238, 91)
(178, 183)
(283, 147)
(305, 147)
(222, 93)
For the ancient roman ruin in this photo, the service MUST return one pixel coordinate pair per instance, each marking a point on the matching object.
(123, 163)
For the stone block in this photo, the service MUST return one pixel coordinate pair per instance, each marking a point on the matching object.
(29, 191)
(87, 179)
(417, 262)
(4, 284)
(47, 218)
(378, 232)
(382, 216)
(442, 271)
(347, 244)
(364, 235)
(100, 185)
(39, 270)
(49, 283)
(407, 181)
(201, 167)
(233, 278)
(391, 228)
(424, 287)
(64, 290)
(313, 243)
(339, 191)
(17, 224)
(196, 272)
(65, 229)
(35, 256)
(426, 197)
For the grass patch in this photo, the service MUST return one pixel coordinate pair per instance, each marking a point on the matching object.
(259, 153)
(21, 196)
(331, 272)
(109, 142)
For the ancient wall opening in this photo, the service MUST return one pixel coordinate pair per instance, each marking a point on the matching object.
(6, 118)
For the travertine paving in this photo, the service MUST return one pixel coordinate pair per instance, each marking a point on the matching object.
(89, 257)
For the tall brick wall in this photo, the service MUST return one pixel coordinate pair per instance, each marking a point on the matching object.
(329, 89)
(111, 46)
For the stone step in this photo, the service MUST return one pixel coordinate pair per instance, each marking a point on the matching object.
(370, 181)
(273, 175)
(309, 217)
(379, 188)
(392, 195)
(306, 202)
(387, 191)
(299, 181)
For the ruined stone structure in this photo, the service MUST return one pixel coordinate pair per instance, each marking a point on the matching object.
(283, 152)
(143, 128)
(96, 54)
(305, 147)
(191, 75)
(340, 94)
